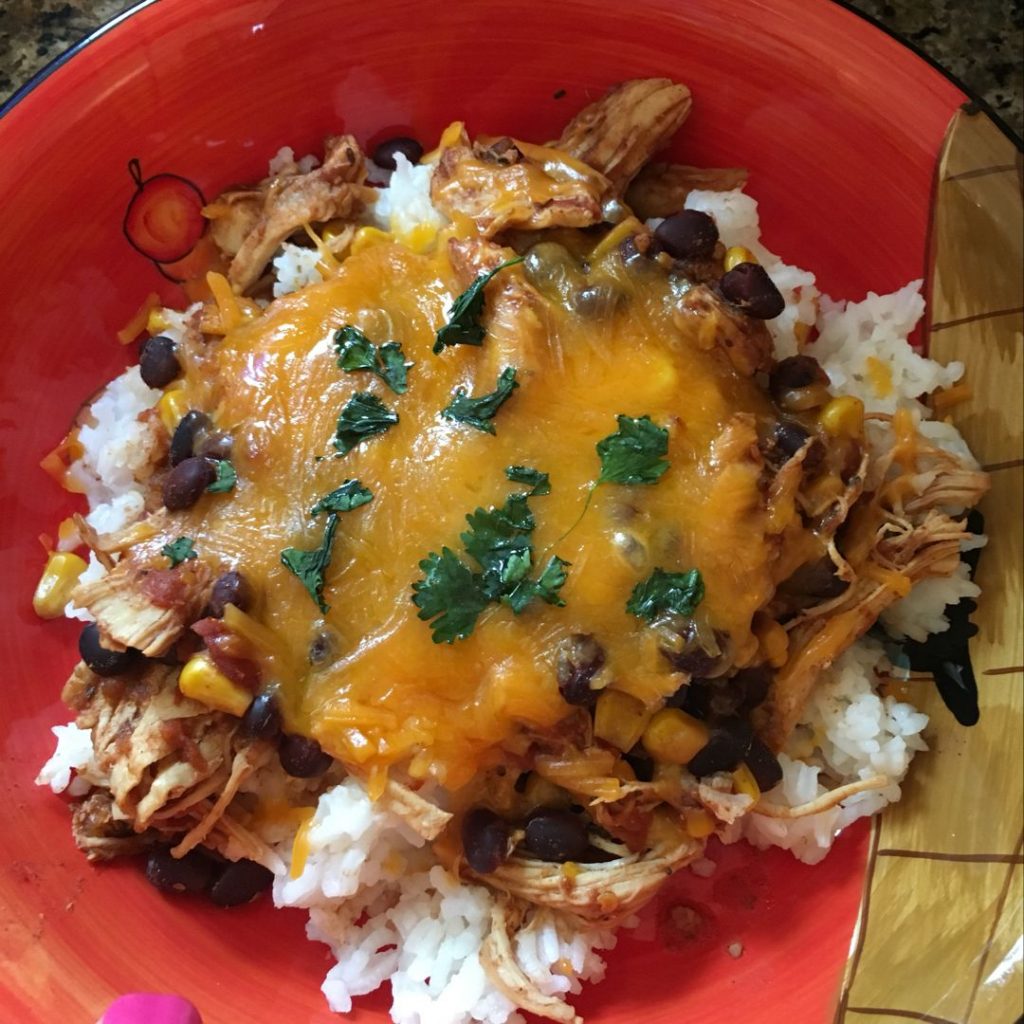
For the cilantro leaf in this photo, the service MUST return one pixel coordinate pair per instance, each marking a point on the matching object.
(539, 482)
(351, 494)
(363, 416)
(478, 412)
(179, 551)
(498, 541)
(464, 327)
(676, 593)
(451, 594)
(357, 352)
(310, 566)
(226, 478)
(546, 586)
(633, 454)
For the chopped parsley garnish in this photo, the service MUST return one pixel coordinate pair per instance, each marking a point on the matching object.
(363, 416)
(310, 566)
(464, 327)
(357, 352)
(179, 551)
(478, 412)
(450, 593)
(633, 454)
(226, 478)
(540, 483)
(453, 594)
(666, 593)
(351, 494)
(546, 586)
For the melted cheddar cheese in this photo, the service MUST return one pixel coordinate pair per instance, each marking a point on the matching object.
(390, 695)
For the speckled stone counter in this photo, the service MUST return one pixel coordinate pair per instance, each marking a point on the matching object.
(982, 43)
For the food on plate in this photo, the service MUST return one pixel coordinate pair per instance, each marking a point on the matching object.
(502, 523)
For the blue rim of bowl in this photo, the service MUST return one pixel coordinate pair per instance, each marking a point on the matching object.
(975, 102)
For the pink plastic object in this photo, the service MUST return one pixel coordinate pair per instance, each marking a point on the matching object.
(150, 1008)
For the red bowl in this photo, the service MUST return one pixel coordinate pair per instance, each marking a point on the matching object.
(840, 126)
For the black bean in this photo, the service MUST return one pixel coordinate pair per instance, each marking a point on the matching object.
(184, 437)
(302, 757)
(192, 873)
(694, 698)
(763, 765)
(184, 485)
(556, 835)
(597, 300)
(216, 444)
(580, 658)
(794, 373)
(241, 881)
(262, 719)
(102, 660)
(642, 764)
(682, 648)
(727, 745)
(485, 840)
(749, 288)
(158, 361)
(750, 686)
(789, 436)
(816, 579)
(687, 235)
(384, 154)
(692, 659)
(322, 648)
(229, 588)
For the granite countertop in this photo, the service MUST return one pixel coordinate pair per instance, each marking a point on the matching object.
(981, 44)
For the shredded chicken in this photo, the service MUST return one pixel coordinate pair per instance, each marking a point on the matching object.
(660, 190)
(899, 536)
(332, 191)
(503, 183)
(151, 743)
(504, 971)
(136, 605)
(619, 133)
(743, 340)
(423, 817)
(598, 893)
(101, 835)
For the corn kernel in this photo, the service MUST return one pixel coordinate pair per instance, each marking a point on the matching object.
(157, 321)
(619, 719)
(674, 736)
(737, 254)
(172, 407)
(843, 417)
(699, 823)
(201, 680)
(59, 578)
(744, 782)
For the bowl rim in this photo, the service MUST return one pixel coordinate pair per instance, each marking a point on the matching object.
(975, 101)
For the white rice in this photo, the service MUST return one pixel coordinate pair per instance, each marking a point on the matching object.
(405, 204)
(73, 751)
(848, 733)
(295, 266)
(117, 448)
(374, 894)
(388, 912)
